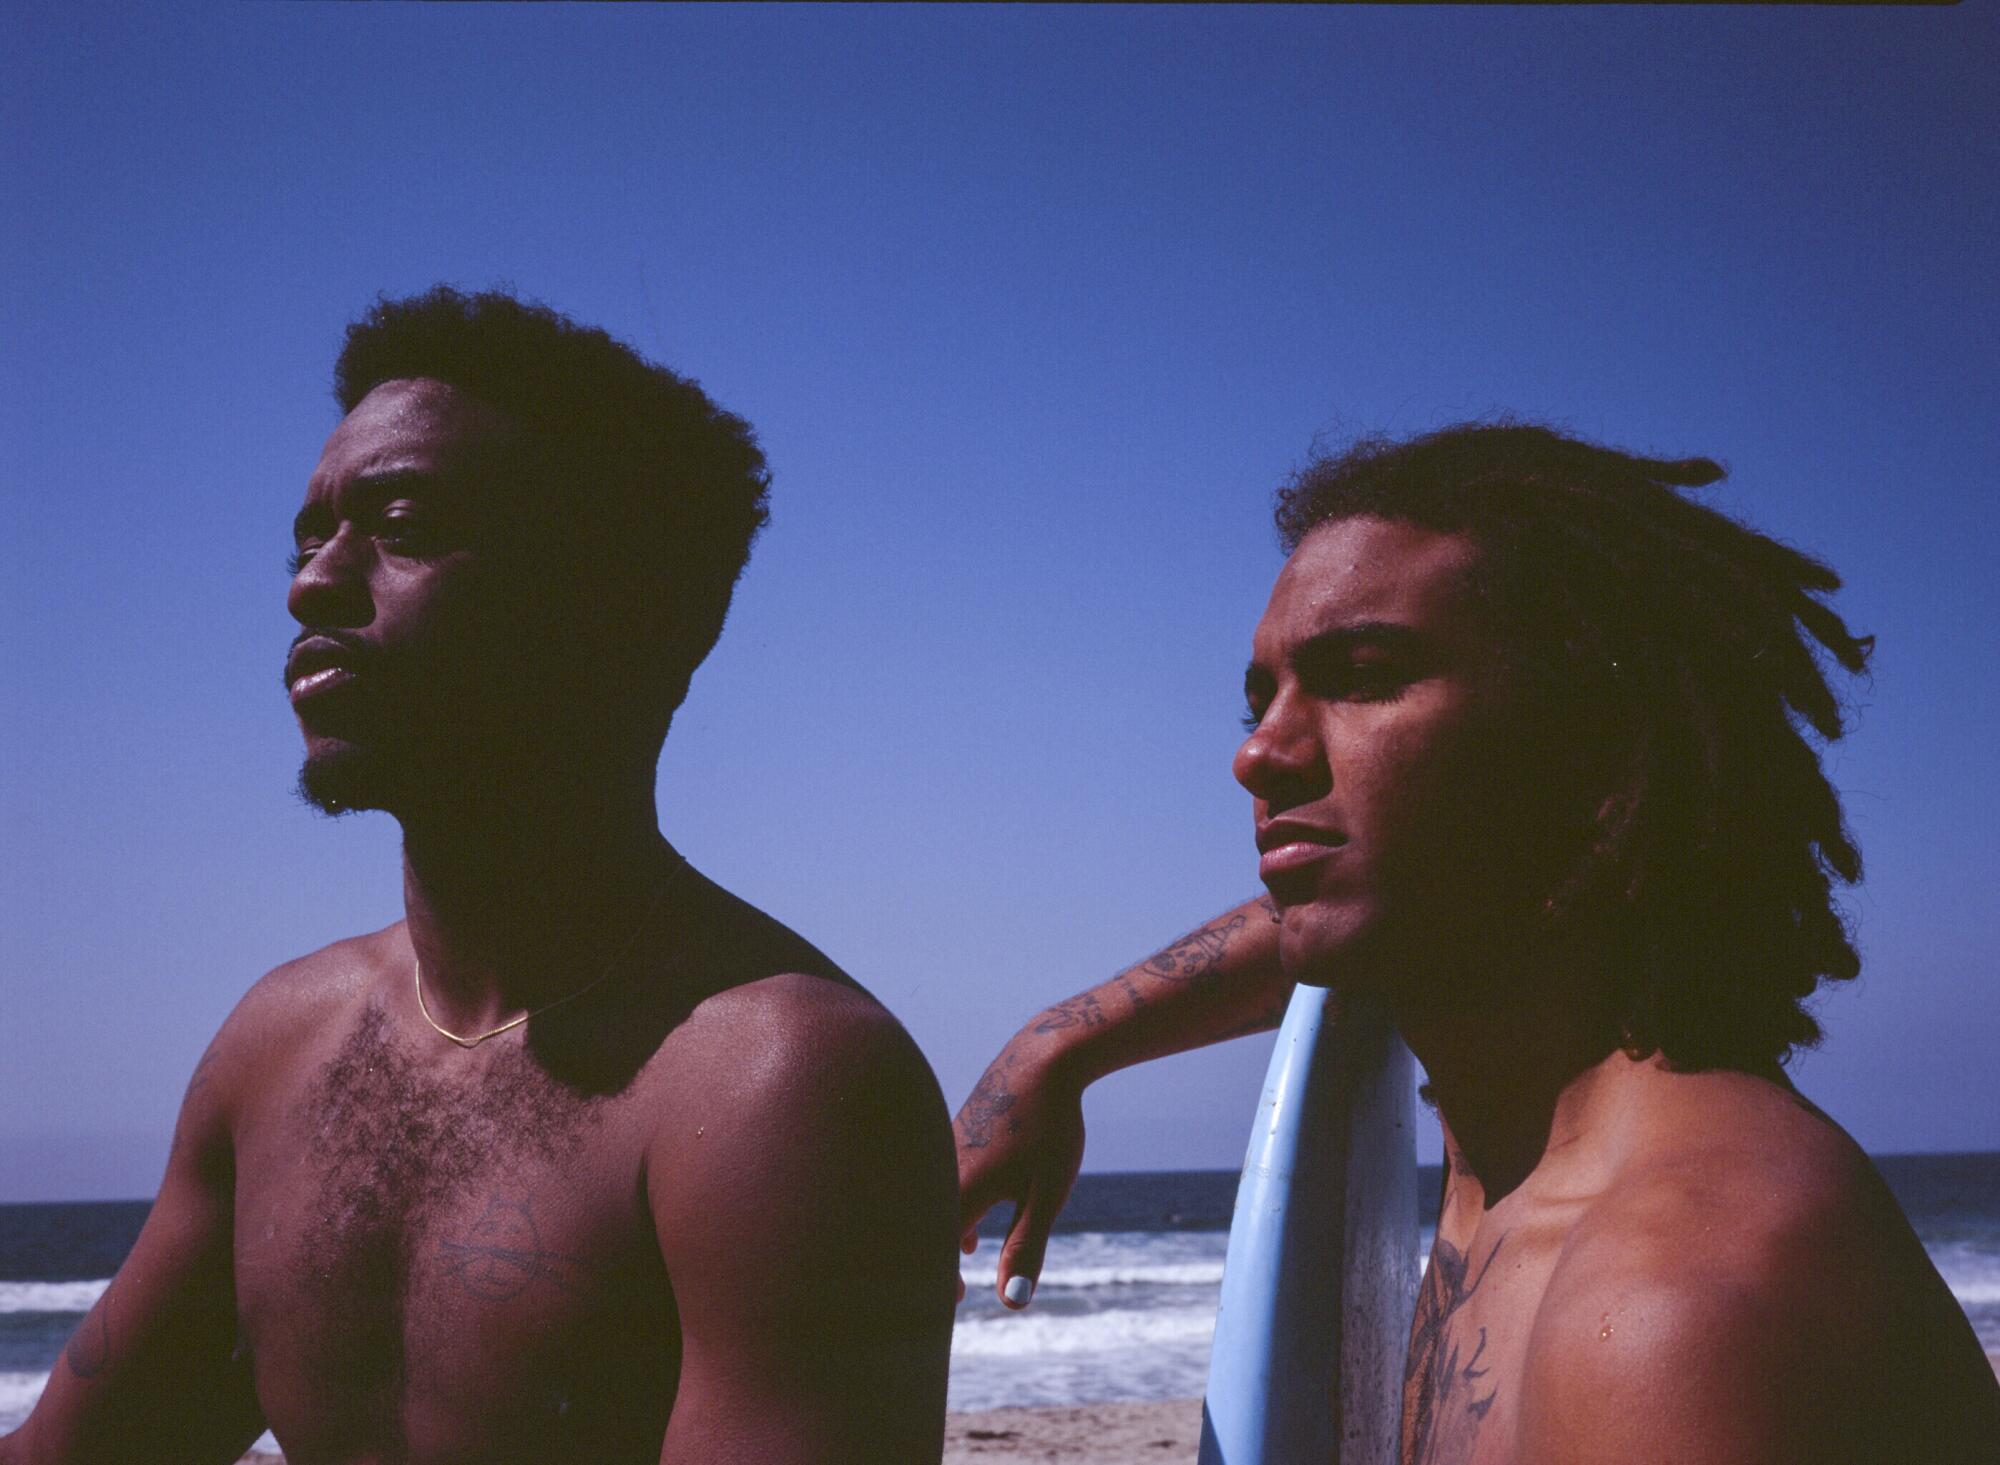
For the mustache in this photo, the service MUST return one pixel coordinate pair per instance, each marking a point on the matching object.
(314, 648)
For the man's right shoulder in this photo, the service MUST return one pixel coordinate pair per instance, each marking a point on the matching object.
(312, 986)
(297, 1002)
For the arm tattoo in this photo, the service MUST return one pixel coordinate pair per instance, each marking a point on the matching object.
(198, 1080)
(1196, 953)
(1442, 1403)
(90, 1345)
(988, 1103)
(1072, 1012)
(502, 1255)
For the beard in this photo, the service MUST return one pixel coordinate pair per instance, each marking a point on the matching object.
(473, 771)
(347, 779)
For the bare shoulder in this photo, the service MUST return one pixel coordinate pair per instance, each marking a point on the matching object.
(1747, 1290)
(804, 1195)
(779, 1028)
(803, 1165)
(283, 1012)
(786, 1115)
(795, 1059)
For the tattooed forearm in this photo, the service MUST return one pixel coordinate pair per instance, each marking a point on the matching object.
(502, 1255)
(988, 1104)
(1197, 952)
(90, 1345)
(1082, 1011)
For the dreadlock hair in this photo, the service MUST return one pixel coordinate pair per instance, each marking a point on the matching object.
(1681, 654)
(665, 488)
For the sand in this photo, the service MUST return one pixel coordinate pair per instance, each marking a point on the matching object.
(1087, 1434)
(1083, 1434)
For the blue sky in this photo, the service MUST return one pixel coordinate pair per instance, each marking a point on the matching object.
(1032, 309)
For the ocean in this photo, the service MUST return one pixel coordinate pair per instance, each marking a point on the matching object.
(1124, 1311)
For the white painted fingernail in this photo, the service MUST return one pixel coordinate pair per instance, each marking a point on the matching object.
(1018, 1291)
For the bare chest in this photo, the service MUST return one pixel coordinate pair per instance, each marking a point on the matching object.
(450, 1265)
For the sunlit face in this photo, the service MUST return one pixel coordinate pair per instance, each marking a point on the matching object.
(1388, 815)
(414, 649)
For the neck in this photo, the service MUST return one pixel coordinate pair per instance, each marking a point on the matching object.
(1514, 1073)
(513, 903)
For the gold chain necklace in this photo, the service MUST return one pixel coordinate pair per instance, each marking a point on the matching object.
(599, 980)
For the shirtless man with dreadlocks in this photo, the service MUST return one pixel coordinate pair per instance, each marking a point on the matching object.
(1526, 753)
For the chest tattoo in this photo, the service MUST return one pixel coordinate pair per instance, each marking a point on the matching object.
(1445, 1397)
(501, 1255)
(398, 1153)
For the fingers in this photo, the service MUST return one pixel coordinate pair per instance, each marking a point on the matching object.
(1021, 1255)
(980, 1189)
(982, 1184)
(968, 1243)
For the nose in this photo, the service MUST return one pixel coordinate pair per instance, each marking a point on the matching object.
(1282, 762)
(331, 587)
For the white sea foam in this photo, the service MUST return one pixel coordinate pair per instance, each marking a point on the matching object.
(1085, 1259)
(1118, 1315)
(18, 1392)
(1971, 1270)
(1178, 1274)
(1016, 1335)
(1975, 1293)
(50, 1296)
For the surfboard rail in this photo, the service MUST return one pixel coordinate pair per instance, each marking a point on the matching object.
(1319, 1280)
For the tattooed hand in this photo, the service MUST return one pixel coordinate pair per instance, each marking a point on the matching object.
(1020, 1134)
(1020, 1139)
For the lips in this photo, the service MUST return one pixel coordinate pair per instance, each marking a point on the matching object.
(317, 667)
(1288, 846)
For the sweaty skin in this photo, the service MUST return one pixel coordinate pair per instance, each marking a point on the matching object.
(1632, 1264)
(702, 1213)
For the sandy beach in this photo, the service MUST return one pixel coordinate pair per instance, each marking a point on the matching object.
(1084, 1434)
(1087, 1434)
(1103, 1433)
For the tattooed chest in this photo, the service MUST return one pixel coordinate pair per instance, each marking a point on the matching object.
(395, 1151)
(1453, 1378)
(528, 1322)
(422, 1237)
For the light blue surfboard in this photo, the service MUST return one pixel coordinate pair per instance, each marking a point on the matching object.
(1321, 1272)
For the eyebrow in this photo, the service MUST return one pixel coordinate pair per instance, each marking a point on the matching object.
(368, 488)
(1337, 641)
